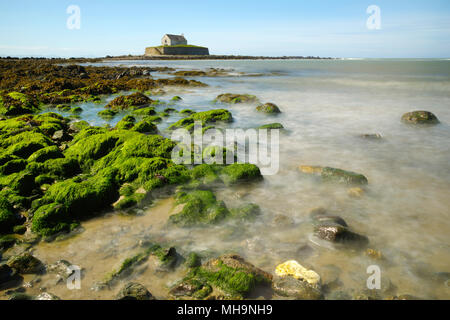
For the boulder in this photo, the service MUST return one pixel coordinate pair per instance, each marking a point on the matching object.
(294, 269)
(268, 108)
(291, 287)
(335, 175)
(134, 291)
(340, 234)
(420, 117)
(25, 263)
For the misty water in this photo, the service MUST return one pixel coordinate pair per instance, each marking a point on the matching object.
(326, 105)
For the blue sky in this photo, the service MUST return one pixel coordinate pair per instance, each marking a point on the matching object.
(409, 29)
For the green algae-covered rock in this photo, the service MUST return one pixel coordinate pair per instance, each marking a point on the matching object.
(58, 168)
(82, 197)
(20, 182)
(246, 212)
(13, 166)
(45, 154)
(335, 175)
(271, 126)
(147, 111)
(164, 259)
(240, 172)
(205, 117)
(26, 263)
(420, 117)
(24, 144)
(16, 103)
(134, 291)
(91, 148)
(51, 219)
(107, 114)
(76, 110)
(176, 98)
(236, 98)
(229, 274)
(268, 108)
(145, 126)
(8, 219)
(198, 207)
(130, 102)
(126, 123)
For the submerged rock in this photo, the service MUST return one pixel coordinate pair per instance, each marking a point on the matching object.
(25, 263)
(291, 287)
(272, 126)
(340, 234)
(236, 98)
(297, 271)
(133, 101)
(420, 117)
(8, 277)
(335, 175)
(268, 108)
(46, 296)
(134, 291)
(229, 274)
(356, 192)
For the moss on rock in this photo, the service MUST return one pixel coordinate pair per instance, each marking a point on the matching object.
(236, 98)
(268, 108)
(129, 102)
(198, 207)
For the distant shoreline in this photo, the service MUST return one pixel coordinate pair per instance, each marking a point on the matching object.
(174, 57)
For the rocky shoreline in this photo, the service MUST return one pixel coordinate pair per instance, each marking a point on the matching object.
(58, 171)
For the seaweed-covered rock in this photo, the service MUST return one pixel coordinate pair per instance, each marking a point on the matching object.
(205, 117)
(126, 123)
(26, 263)
(130, 102)
(420, 117)
(246, 212)
(134, 291)
(272, 126)
(268, 108)
(16, 103)
(335, 175)
(164, 259)
(45, 154)
(107, 114)
(291, 287)
(8, 277)
(146, 111)
(229, 274)
(198, 207)
(145, 127)
(237, 98)
(240, 172)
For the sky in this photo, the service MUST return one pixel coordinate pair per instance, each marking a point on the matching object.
(407, 29)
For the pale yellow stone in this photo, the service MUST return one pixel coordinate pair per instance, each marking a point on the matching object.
(296, 270)
(310, 169)
(356, 192)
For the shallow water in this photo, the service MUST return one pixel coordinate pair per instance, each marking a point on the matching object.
(325, 106)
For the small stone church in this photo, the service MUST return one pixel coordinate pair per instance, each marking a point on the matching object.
(172, 45)
(173, 40)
